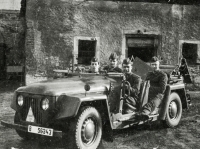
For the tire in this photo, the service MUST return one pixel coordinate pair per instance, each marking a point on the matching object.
(86, 129)
(22, 134)
(174, 111)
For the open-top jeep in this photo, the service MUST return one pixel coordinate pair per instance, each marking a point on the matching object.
(83, 105)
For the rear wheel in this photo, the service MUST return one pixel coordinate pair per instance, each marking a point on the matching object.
(174, 110)
(86, 129)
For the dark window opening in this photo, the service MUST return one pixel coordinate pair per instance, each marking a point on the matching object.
(23, 8)
(86, 51)
(189, 52)
(141, 47)
(2, 61)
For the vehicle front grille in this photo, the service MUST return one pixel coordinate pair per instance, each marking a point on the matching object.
(34, 103)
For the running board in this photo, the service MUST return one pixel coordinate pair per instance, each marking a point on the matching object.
(132, 118)
(128, 118)
(123, 117)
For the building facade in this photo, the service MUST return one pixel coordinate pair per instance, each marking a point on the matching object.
(12, 36)
(65, 32)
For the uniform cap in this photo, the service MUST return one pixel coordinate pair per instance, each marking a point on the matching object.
(113, 56)
(183, 60)
(154, 59)
(94, 59)
(127, 61)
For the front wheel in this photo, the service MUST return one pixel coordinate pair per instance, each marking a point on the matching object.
(86, 129)
(174, 110)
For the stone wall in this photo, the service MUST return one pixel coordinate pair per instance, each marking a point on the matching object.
(53, 24)
(12, 34)
(11, 31)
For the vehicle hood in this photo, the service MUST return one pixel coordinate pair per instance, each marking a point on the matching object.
(73, 85)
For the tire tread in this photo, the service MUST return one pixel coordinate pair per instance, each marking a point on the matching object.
(75, 124)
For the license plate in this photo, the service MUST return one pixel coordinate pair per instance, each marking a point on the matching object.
(40, 130)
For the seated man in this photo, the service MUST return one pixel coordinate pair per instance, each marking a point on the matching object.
(112, 67)
(130, 102)
(94, 68)
(183, 69)
(158, 82)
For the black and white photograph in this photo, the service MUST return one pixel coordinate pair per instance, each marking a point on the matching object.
(99, 74)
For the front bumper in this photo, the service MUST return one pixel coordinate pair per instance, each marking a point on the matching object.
(56, 133)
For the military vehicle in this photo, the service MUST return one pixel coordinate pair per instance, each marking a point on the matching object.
(85, 105)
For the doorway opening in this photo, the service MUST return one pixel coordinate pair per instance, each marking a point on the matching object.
(190, 52)
(144, 53)
(86, 51)
(141, 47)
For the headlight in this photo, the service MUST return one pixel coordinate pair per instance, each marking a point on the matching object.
(45, 104)
(20, 100)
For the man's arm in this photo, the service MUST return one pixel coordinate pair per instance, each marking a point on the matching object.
(117, 69)
(135, 85)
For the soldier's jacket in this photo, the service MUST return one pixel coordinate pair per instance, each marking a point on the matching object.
(109, 69)
(135, 82)
(158, 82)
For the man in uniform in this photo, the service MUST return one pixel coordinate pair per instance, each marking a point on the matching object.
(113, 65)
(94, 68)
(158, 82)
(130, 102)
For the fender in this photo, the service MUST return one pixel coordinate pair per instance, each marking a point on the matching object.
(13, 104)
(182, 95)
(68, 106)
(168, 91)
